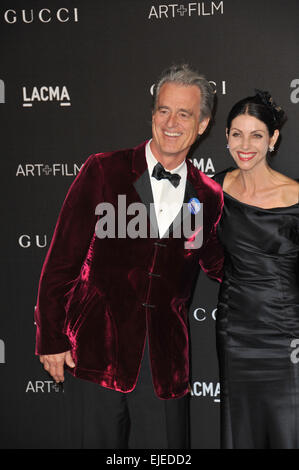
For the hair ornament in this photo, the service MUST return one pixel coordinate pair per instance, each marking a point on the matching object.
(267, 100)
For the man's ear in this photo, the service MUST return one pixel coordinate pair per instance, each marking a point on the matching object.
(203, 125)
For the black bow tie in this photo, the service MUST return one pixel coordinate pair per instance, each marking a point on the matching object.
(160, 173)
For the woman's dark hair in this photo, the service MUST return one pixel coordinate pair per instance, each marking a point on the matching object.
(262, 107)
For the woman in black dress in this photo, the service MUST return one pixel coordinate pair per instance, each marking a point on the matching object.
(258, 310)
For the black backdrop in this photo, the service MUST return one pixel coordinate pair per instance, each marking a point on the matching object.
(75, 79)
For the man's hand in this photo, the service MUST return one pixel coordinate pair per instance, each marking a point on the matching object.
(54, 364)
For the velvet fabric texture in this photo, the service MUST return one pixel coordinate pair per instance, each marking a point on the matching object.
(100, 298)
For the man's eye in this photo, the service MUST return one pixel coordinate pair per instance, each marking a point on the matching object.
(235, 134)
(259, 136)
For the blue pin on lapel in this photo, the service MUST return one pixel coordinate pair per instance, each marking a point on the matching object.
(194, 205)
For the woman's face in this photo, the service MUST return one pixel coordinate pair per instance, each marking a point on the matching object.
(249, 141)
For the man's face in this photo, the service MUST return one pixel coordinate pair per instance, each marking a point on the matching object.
(175, 122)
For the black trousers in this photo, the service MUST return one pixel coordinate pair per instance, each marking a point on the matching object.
(100, 418)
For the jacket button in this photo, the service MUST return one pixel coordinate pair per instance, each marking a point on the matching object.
(162, 245)
(154, 275)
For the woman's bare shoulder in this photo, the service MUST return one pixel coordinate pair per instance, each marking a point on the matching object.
(289, 187)
(286, 180)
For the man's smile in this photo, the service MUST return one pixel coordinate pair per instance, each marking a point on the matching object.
(172, 134)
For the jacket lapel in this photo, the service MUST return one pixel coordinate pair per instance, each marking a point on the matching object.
(143, 186)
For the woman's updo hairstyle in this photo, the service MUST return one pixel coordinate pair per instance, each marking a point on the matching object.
(262, 107)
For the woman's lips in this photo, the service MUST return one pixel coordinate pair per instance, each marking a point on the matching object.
(246, 156)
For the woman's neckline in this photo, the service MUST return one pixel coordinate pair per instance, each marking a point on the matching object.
(251, 205)
(258, 207)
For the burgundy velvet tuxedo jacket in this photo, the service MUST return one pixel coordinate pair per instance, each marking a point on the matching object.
(101, 298)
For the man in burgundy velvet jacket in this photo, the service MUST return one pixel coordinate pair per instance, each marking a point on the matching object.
(113, 310)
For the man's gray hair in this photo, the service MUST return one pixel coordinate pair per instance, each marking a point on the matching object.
(185, 75)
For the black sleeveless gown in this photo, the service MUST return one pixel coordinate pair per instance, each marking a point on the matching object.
(258, 326)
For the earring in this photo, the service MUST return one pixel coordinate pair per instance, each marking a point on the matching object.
(271, 149)
(227, 146)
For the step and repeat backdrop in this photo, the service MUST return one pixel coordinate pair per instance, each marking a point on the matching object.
(75, 79)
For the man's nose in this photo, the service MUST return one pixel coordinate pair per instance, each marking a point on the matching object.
(172, 120)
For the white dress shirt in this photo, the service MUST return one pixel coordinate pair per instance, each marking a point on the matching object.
(168, 200)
